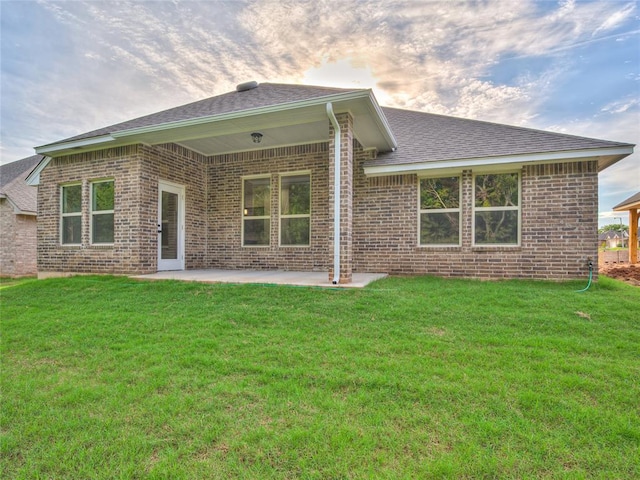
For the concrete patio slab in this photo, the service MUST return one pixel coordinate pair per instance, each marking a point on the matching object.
(271, 277)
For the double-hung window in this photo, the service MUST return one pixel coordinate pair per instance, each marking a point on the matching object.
(497, 209)
(440, 211)
(71, 214)
(102, 201)
(295, 210)
(256, 211)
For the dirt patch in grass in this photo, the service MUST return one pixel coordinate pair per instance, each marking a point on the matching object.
(626, 272)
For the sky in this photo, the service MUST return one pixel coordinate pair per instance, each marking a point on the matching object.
(568, 66)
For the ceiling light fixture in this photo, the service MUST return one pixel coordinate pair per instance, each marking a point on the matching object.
(256, 137)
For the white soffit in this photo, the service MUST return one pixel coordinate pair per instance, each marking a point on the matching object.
(604, 156)
(286, 124)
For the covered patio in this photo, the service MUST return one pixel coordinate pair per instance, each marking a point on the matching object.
(262, 277)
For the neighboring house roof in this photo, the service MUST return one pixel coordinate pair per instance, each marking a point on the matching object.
(406, 141)
(613, 235)
(630, 203)
(10, 171)
(14, 188)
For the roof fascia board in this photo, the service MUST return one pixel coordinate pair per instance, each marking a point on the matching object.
(340, 97)
(382, 121)
(626, 207)
(76, 144)
(16, 209)
(511, 160)
(33, 179)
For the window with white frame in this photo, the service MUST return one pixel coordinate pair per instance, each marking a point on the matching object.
(256, 211)
(295, 209)
(102, 202)
(440, 211)
(497, 209)
(71, 214)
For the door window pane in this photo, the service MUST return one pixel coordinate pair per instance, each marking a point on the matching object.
(169, 235)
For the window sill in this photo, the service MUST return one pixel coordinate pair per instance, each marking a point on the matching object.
(495, 248)
(440, 247)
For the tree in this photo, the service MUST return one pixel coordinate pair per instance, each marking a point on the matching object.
(614, 227)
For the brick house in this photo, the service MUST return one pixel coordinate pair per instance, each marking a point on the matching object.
(269, 175)
(18, 219)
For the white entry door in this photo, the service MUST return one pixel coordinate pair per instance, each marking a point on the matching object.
(170, 227)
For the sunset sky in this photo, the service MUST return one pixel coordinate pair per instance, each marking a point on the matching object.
(565, 66)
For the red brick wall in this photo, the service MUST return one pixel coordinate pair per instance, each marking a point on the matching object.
(181, 166)
(225, 173)
(136, 171)
(558, 230)
(558, 227)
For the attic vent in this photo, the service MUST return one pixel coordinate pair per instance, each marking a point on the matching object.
(243, 87)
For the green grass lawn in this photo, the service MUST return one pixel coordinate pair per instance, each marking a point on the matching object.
(409, 378)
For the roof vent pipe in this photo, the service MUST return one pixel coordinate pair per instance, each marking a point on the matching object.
(243, 87)
(336, 194)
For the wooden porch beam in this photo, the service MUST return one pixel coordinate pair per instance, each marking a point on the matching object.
(633, 236)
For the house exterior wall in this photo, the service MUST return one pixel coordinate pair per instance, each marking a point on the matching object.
(225, 177)
(180, 166)
(558, 216)
(17, 242)
(136, 171)
(559, 206)
(7, 246)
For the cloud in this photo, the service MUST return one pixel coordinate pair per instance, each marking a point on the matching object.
(117, 60)
(621, 180)
(621, 105)
(615, 19)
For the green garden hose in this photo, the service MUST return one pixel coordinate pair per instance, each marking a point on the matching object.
(590, 278)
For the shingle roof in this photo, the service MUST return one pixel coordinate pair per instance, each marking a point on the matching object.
(610, 235)
(421, 137)
(425, 137)
(267, 94)
(14, 187)
(634, 199)
(9, 171)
